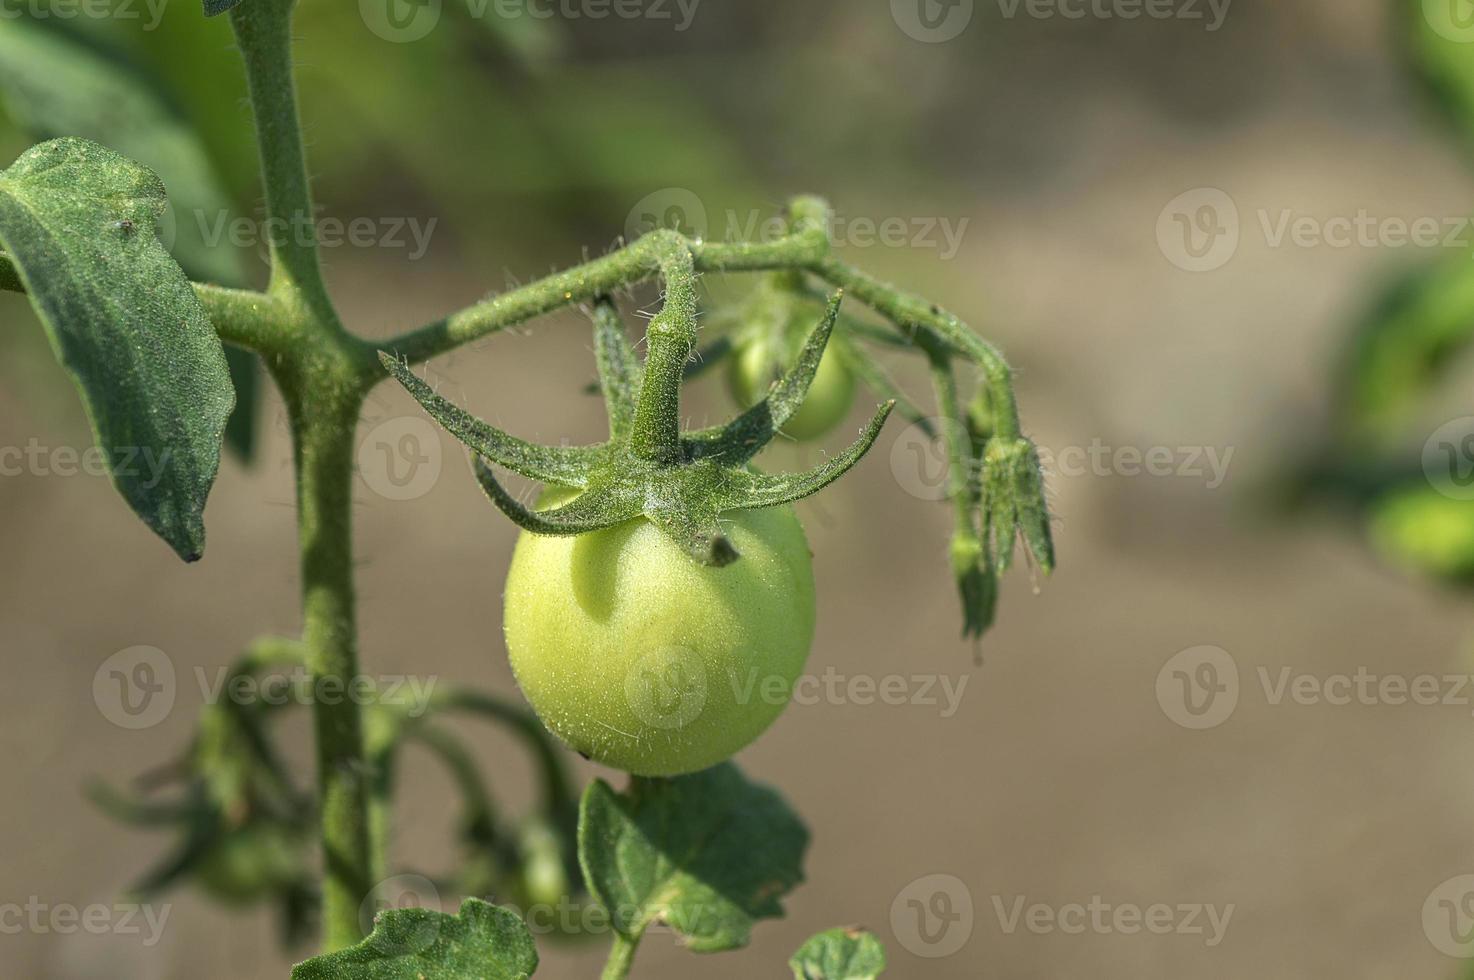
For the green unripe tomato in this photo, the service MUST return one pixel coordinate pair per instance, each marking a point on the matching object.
(754, 368)
(1424, 531)
(250, 865)
(644, 660)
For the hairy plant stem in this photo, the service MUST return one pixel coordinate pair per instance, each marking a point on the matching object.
(263, 31)
(314, 362)
(621, 958)
(323, 431)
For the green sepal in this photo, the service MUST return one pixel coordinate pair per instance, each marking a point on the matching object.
(604, 505)
(1013, 498)
(748, 488)
(567, 466)
(685, 497)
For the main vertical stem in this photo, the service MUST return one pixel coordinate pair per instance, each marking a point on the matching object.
(324, 424)
(320, 374)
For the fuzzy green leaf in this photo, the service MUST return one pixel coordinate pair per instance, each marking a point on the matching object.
(57, 82)
(483, 943)
(839, 954)
(78, 221)
(567, 466)
(215, 7)
(707, 855)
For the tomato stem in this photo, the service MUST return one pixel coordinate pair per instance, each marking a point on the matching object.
(621, 958)
(669, 340)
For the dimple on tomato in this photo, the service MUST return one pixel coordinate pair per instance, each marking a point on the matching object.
(644, 660)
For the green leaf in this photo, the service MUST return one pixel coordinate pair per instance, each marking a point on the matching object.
(839, 954)
(78, 221)
(214, 7)
(707, 855)
(56, 82)
(483, 943)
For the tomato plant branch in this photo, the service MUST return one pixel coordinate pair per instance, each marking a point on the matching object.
(910, 312)
(625, 267)
(247, 319)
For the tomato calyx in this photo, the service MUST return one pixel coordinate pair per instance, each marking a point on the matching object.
(682, 482)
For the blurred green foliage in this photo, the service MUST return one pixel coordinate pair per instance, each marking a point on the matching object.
(1412, 338)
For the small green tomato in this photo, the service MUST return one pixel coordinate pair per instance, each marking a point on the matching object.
(646, 661)
(754, 367)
